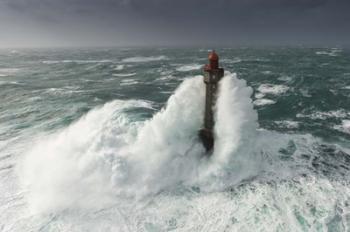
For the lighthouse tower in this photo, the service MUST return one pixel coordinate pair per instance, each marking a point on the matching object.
(212, 75)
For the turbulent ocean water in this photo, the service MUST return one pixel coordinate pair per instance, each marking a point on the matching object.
(106, 140)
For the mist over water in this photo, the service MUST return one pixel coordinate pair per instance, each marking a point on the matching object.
(98, 140)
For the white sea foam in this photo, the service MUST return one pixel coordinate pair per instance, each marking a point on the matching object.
(305, 92)
(344, 127)
(67, 90)
(124, 74)
(9, 83)
(166, 78)
(287, 124)
(264, 101)
(75, 61)
(9, 70)
(190, 67)
(74, 166)
(104, 155)
(323, 53)
(324, 115)
(285, 78)
(141, 59)
(236, 60)
(259, 95)
(165, 72)
(119, 67)
(128, 82)
(272, 89)
(266, 72)
(235, 130)
(4, 72)
(231, 61)
(331, 52)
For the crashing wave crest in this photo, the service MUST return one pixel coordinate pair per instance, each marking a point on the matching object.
(106, 155)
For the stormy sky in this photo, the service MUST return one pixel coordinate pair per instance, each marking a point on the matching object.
(46, 23)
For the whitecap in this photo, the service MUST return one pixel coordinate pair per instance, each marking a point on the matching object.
(9, 83)
(259, 95)
(272, 89)
(264, 101)
(305, 93)
(75, 61)
(287, 124)
(231, 61)
(322, 53)
(128, 82)
(67, 90)
(285, 78)
(346, 126)
(4, 72)
(119, 67)
(124, 74)
(236, 60)
(166, 78)
(166, 72)
(190, 67)
(332, 52)
(325, 114)
(141, 59)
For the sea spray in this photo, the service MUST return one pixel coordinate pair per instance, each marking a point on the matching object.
(73, 167)
(235, 156)
(236, 119)
(167, 150)
(105, 156)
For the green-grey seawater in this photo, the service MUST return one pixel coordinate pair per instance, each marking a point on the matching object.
(301, 96)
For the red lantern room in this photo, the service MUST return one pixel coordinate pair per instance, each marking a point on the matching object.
(213, 61)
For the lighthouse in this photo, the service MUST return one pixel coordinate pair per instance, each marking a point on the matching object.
(212, 76)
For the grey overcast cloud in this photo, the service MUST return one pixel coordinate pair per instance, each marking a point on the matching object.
(45, 23)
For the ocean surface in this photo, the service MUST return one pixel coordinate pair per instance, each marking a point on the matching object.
(106, 140)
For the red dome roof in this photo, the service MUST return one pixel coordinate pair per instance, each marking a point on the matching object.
(213, 56)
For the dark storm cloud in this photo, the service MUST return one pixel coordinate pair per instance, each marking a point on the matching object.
(180, 22)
